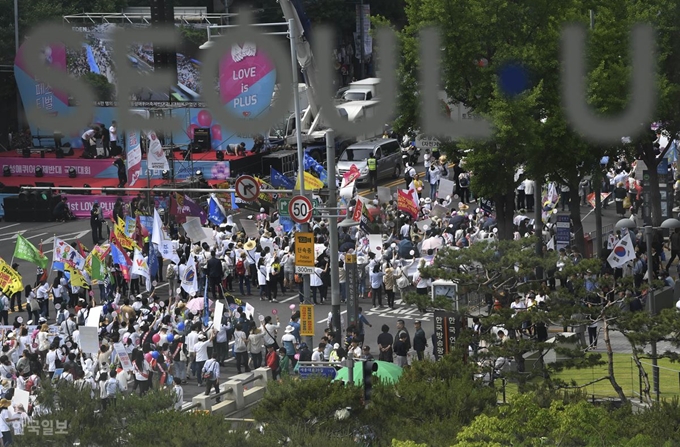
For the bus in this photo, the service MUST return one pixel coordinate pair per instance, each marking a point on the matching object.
(134, 62)
(177, 97)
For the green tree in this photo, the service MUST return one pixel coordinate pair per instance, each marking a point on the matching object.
(133, 420)
(100, 85)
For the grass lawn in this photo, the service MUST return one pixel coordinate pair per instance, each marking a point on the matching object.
(626, 374)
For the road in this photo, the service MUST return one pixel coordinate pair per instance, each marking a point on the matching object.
(80, 230)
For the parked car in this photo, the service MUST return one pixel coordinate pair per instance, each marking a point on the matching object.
(386, 151)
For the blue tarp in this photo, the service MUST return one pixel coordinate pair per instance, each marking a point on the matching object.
(90, 60)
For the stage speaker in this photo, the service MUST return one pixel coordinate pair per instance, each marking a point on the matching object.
(26, 152)
(163, 14)
(59, 152)
(202, 139)
(220, 155)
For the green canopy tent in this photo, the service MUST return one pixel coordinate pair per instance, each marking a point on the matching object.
(387, 372)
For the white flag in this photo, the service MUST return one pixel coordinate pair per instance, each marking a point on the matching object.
(139, 264)
(551, 244)
(157, 228)
(622, 252)
(167, 251)
(64, 253)
(190, 278)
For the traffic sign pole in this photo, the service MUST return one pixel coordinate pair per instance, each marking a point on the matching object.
(333, 240)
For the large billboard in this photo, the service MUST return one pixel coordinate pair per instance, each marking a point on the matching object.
(245, 83)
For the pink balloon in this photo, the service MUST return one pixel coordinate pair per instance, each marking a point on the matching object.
(292, 306)
(190, 131)
(156, 338)
(274, 311)
(148, 357)
(204, 118)
(216, 131)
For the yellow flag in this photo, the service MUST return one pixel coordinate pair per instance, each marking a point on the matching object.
(311, 182)
(10, 280)
(77, 278)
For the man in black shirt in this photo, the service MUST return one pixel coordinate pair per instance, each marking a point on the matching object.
(215, 273)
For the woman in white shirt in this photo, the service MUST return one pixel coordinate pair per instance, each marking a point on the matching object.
(262, 276)
(315, 282)
(141, 368)
(422, 284)
(376, 277)
(270, 330)
(255, 342)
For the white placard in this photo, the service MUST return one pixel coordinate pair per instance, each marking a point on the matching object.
(194, 229)
(384, 194)
(347, 192)
(438, 211)
(375, 242)
(446, 188)
(122, 354)
(249, 310)
(217, 319)
(208, 236)
(89, 340)
(93, 317)
(21, 397)
(250, 228)
(424, 223)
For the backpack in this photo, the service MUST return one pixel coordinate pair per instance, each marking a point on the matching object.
(240, 267)
(81, 317)
(445, 171)
(30, 383)
(463, 180)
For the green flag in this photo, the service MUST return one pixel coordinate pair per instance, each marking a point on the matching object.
(27, 251)
(97, 269)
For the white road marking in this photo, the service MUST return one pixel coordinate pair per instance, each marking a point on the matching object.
(13, 236)
(9, 226)
(35, 236)
(325, 320)
(68, 236)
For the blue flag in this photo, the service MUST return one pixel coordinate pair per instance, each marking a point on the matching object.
(286, 223)
(153, 260)
(215, 214)
(234, 206)
(316, 167)
(206, 305)
(281, 181)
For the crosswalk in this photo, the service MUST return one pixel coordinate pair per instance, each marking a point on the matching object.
(401, 311)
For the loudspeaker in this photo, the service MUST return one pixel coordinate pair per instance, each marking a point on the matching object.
(202, 139)
(26, 152)
(163, 13)
(59, 152)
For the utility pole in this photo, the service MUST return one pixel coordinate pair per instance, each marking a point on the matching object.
(362, 50)
(333, 236)
(597, 183)
(651, 305)
(306, 289)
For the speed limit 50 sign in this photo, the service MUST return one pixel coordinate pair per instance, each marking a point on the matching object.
(300, 209)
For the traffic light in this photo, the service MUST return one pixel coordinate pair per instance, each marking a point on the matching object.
(369, 367)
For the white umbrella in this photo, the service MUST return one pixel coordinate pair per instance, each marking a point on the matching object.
(432, 243)
(518, 219)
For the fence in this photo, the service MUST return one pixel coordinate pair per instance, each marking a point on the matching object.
(668, 380)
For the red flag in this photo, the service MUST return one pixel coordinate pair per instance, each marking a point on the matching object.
(82, 249)
(140, 234)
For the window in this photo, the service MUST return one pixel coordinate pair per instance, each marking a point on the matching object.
(390, 148)
(378, 153)
(355, 154)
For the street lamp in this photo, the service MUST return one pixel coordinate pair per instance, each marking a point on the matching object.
(667, 224)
